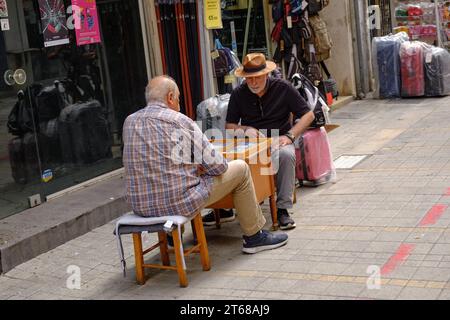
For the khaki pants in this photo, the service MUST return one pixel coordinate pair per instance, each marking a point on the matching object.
(237, 180)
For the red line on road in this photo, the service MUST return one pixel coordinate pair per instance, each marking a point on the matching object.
(433, 215)
(401, 255)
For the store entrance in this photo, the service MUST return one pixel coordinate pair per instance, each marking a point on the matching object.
(66, 86)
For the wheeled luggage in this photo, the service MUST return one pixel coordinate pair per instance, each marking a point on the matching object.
(386, 52)
(314, 165)
(437, 72)
(411, 59)
(49, 102)
(84, 133)
(23, 158)
(212, 114)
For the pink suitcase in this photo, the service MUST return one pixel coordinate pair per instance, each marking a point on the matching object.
(412, 70)
(313, 158)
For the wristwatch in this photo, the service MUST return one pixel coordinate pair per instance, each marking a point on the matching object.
(290, 136)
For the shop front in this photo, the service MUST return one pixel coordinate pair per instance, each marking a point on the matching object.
(70, 72)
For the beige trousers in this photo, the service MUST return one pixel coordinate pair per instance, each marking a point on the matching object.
(237, 180)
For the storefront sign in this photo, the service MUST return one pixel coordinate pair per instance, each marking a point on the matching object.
(3, 9)
(86, 17)
(213, 14)
(53, 19)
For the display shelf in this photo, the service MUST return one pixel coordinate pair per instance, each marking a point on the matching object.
(422, 21)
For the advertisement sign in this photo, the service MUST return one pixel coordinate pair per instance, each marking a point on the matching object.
(87, 30)
(3, 9)
(213, 14)
(53, 20)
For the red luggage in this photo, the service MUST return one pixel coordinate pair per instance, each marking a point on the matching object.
(314, 165)
(413, 76)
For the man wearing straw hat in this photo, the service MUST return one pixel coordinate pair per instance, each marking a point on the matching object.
(262, 106)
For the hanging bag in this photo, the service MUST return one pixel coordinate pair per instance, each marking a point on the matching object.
(322, 39)
(312, 70)
(329, 85)
(220, 61)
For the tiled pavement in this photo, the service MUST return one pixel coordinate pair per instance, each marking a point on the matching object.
(389, 214)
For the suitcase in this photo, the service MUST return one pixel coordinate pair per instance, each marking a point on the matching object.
(437, 72)
(49, 103)
(389, 68)
(212, 114)
(386, 53)
(52, 149)
(313, 158)
(17, 161)
(413, 78)
(23, 158)
(84, 133)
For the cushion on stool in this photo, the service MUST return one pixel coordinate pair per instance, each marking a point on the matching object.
(132, 223)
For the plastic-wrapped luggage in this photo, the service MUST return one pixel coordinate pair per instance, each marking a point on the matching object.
(23, 158)
(386, 53)
(314, 162)
(212, 114)
(84, 133)
(411, 59)
(437, 71)
(49, 102)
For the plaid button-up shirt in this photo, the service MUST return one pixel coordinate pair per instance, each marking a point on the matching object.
(161, 177)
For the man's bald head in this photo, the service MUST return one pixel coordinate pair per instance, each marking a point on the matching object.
(159, 88)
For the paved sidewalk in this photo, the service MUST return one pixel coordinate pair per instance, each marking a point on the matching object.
(387, 216)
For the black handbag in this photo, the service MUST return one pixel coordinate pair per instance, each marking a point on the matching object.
(314, 7)
(328, 85)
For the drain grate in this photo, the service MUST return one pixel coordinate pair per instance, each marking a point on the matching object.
(349, 161)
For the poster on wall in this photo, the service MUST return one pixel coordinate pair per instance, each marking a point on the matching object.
(87, 29)
(3, 9)
(53, 20)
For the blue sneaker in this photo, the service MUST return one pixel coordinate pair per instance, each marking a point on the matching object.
(263, 240)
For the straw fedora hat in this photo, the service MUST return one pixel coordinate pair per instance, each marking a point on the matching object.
(255, 65)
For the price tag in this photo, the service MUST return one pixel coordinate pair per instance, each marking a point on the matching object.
(214, 54)
(289, 22)
(5, 24)
(229, 78)
(428, 58)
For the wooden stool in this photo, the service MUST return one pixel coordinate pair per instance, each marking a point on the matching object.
(134, 224)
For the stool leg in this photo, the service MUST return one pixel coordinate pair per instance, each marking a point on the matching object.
(217, 216)
(179, 256)
(204, 255)
(194, 233)
(162, 236)
(139, 258)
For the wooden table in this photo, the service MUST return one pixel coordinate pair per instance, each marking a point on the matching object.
(257, 154)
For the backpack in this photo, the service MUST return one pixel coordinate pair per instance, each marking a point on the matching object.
(322, 39)
(221, 63)
(23, 116)
(277, 11)
(314, 99)
(315, 6)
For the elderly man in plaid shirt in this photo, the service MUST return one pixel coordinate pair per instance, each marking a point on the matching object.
(162, 178)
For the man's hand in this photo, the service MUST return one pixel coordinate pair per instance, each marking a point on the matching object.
(284, 141)
(280, 142)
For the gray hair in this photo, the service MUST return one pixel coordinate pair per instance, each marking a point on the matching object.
(158, 88)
